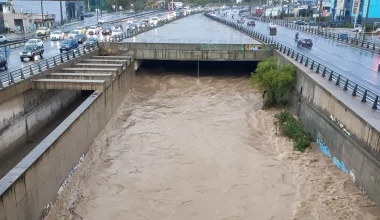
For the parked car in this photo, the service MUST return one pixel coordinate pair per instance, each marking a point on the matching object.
(81, 30)
(81, 38)
(57, 35)
(132, 27)
(3, 62)
(251, 23)
(92, 30)
(68, 44)
(43, 31)
(72, 34)
(37, 42)
(91, 41)
(305, 43)
(3, 39)
(106, 30)
(30, 51)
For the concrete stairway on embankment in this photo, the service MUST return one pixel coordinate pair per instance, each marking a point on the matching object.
(95, 73)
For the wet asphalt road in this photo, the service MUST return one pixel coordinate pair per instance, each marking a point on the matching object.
(355, 64)
(52, 47)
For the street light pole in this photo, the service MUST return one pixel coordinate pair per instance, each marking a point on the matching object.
(366, 19)
(42, 14)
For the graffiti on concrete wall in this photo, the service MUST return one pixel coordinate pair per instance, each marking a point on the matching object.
(323, 147)
(256, 47)
(340, 164)
(233, 47)
(342, 126)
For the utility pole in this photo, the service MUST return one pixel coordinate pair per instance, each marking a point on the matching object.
(366, 19)
(42, 15)
(60, 6)
(320, 14)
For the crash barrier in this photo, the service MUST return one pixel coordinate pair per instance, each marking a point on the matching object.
(20, 41)
(42, 65)
(132, 33)
(357, 90)
(365, 44)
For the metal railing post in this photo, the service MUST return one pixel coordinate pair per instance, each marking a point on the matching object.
(12, 78)
(47, 65)
(331, 75)
(1, 84)
(345, 86)
(22, 74)
(317, 70)
(354, 91)
(364, 99)
(31, 70)
(374, 106)
(337, 80)
(39, 66)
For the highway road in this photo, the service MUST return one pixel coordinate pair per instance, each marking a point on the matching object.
(52, 47)
(353, 63)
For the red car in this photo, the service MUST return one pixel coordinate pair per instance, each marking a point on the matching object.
(251, 23)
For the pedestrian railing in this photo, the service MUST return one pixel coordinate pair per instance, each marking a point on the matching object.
(340, 37)
(355, 89)
(42, 65)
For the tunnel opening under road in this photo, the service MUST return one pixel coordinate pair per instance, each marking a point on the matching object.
(12, 157)
(206, 68)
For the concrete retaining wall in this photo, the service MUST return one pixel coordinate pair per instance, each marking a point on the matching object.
(34, 182)
(346, 132)
(26, 113)
(212, 52)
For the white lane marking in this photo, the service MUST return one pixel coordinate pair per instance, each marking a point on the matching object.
(343, 68)
(368, 81)
(321, 58)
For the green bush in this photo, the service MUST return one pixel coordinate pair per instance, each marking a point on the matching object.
(274, 80)
(291, 128)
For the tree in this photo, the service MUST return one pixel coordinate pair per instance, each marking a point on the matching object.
(274, 81)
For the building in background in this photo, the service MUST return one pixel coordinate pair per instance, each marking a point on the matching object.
(359, 9)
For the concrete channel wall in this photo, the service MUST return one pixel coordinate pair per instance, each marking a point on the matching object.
(24, 111)
(33, 184)
(344, 129)
(191, 52)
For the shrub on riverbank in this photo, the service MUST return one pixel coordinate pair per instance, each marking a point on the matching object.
(291, 128)
(274, 80)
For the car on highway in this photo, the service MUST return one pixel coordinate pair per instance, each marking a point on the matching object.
(106, 30)
(92, 30)
(3, 62)
(116, 32)
(37, 42)
(132, 27)
(81, 38)
(153, 21)
(299, 22)
(272, 25)
(142, 25)
(241, 21)
(72, 34)
(251, 23)
(30, 51)
(68, 44)
(117, 27)
(91, 41)
(81, 30)
(3, 39)
(43, 31)
(101, 20)
(305, 43)
(57, 35)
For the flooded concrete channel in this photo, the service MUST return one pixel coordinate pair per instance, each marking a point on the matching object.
(182, 147)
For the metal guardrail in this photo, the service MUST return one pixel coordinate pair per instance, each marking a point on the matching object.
(132, 33)
(365, 44)
(356, 90)
(43, 65)
(19, 42)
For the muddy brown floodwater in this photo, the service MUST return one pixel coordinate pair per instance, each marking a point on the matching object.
(181, 148)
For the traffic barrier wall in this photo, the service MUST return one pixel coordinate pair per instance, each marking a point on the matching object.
(347, 132)
(33, 184)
